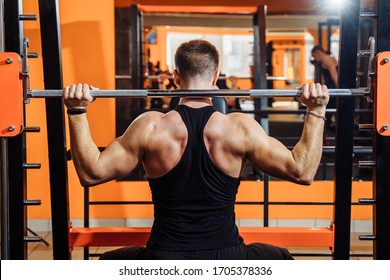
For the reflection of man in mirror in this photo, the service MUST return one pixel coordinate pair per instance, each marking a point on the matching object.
(328, 65)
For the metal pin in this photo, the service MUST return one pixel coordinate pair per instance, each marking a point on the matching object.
(28, 17)
(32, 129)
(32, 202)
(367, 237)
(11, 128)
(386, 60)
(367, 163)
(367, 200)
(364, 53)
(32, 55)
(33, 238)
(31, 165)
(368, 15)
(9, 61)
(366, 127)
(385, 127)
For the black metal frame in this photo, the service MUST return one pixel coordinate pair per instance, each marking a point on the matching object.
(349, 30)
(13, 38)
(136, 57)
(381, 145)
(136, 47)
(58, 171)
(363, 68)
(260, 57)
(129, 21)
(260, 60)
(122, 67)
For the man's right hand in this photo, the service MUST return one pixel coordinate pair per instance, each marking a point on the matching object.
(77, 96)
(314, 96)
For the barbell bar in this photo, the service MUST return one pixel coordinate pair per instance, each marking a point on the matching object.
(142, 93)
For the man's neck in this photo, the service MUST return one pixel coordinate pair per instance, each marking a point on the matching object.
(195, 102)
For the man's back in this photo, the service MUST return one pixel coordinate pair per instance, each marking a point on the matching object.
(195, 195)
(168, 137)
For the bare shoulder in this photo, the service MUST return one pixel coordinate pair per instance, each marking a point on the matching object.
(148, 119)
(233, 125)
(248, 127)
(242, 120)
(143, 123)
(329, 61)
(156, 122)
(152, 128)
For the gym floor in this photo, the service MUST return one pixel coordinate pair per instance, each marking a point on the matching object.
(41, 251)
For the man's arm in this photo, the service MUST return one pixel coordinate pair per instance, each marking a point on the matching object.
(94, 167)
(299, 165)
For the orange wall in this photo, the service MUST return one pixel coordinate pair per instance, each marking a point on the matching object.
(88, 55)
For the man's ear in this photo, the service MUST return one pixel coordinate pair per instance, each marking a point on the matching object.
(176, 77)
(215, 77)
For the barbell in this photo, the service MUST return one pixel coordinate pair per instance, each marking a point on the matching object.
(143, 93)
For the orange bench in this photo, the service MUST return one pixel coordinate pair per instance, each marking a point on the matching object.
(132, 236)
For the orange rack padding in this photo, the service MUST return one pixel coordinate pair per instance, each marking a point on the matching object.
(381, 95)
(11, 95)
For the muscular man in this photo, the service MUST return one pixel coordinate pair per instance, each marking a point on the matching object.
(194, 157)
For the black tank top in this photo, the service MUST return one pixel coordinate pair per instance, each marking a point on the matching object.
(194, 202)
(328, 81)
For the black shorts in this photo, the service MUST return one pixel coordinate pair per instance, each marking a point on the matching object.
(253, 251)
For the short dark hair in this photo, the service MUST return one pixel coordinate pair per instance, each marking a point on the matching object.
(317, 48)
(196, 58)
